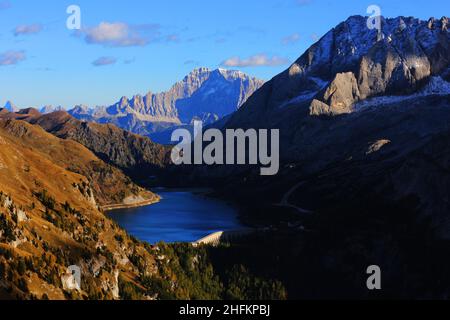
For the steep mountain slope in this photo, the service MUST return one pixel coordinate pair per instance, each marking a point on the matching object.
(221, 94)
(352, 63)
(364, 120)
(49, 221)
(50, 226)
(110, 185)
(136, 155)
(345, 72)
(204, 94)
(356, 114)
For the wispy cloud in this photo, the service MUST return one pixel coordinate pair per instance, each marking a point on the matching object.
(120, 34)
(291, 39)
(9, 58)
(27, 29)
(104, 61)
(172, 38)
(259, 60)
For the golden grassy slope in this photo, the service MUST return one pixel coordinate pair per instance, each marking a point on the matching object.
(109, 184)
(48, 221)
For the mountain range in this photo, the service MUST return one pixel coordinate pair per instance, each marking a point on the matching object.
(138, 156)
(204, 94)
(360, 108)
(364, 120)
(351, 64)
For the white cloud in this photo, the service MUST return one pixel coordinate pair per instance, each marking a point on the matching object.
(9, 58)
(104, 61)
(293, 38)
(27, 29)
(258, 60)
(120, 34)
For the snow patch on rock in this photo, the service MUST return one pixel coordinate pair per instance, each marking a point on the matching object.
(436, 86)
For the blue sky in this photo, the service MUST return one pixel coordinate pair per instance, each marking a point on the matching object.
(136, 46)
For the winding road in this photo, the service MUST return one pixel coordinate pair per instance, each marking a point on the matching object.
(222, 236)
(285, 201)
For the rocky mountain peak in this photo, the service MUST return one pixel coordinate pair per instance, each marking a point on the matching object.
(136, 100)
(202, 94)
(80, 109)
(351, 63)
(438, 24)
(11, 107)
(49, 109)
(123, 102)
(198, 72)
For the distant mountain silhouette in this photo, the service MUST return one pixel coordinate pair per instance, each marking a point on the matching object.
(204, 94)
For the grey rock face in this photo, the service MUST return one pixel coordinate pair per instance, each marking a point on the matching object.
(352, 63)
(358, 111)
(204, 94)
(338, 97)
(408, 54)
(50, 109)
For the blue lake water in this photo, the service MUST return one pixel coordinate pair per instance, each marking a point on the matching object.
(181, 216)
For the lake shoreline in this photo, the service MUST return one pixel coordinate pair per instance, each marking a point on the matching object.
(121, 206)
(181, 215)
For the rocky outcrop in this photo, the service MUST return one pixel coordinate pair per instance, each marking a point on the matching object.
(69, 282)
(338, 97)
(352, 63)
(408, 53)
